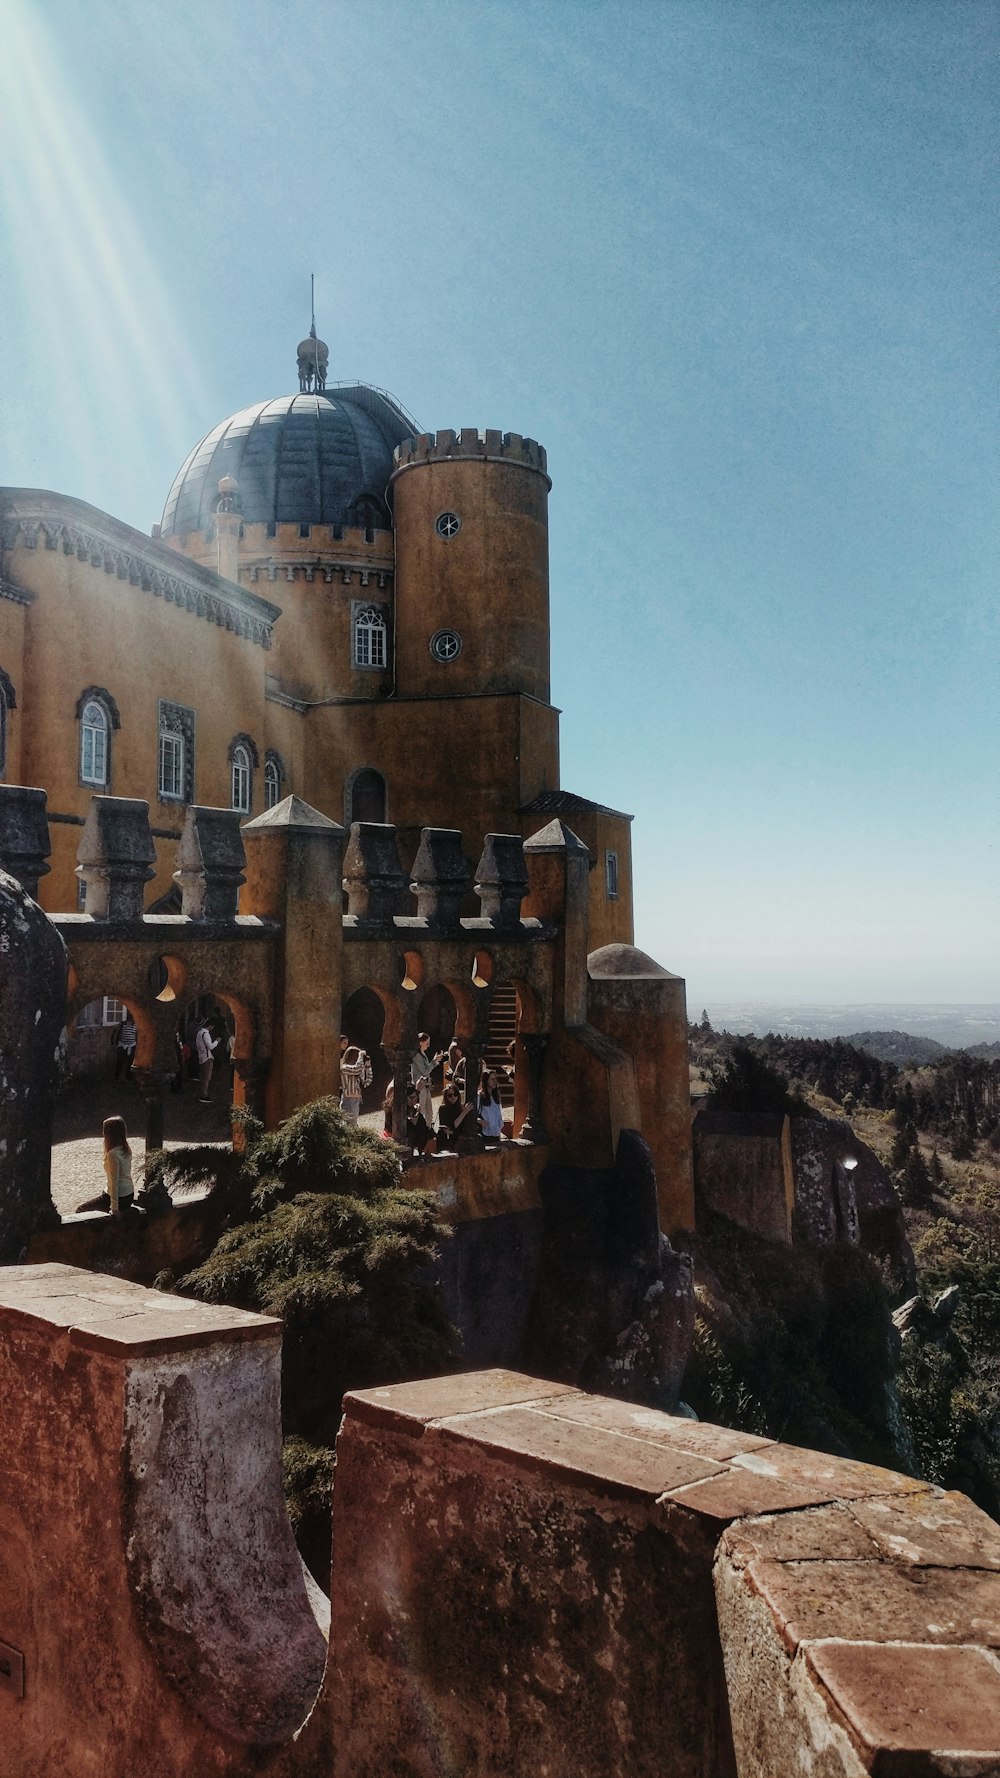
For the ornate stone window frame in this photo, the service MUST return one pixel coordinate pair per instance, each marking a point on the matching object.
(88, 771)
(274, 777)
(243, 760)
(175, 753)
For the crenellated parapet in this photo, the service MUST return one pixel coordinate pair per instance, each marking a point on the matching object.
(490, 445)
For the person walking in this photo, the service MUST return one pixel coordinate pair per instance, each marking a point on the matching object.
(355, 1075)
(204, 1048)
(421, 1069)
(124, 1038)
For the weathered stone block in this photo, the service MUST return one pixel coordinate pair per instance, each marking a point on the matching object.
(116, 857)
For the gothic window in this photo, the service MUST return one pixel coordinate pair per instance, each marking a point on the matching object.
(611, 875)
(175, 763)
(370, 636)
(274, 773)
(366, 795)
(241, 779)
(243, 757)
(97, 714)
(94, 744)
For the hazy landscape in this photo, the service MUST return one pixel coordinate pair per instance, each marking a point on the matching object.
(956, 1024)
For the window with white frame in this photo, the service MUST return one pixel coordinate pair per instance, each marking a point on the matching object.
(611, 875)
(370, 636)
(241, 779)
(94, 743)
(272, 782)
(175, 766)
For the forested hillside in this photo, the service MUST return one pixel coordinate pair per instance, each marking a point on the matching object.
(936, 1127)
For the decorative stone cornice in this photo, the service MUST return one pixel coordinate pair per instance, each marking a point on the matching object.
(343, 573)
(59, 522)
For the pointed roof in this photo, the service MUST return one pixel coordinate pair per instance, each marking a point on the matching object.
(293, 812)
(556, 837)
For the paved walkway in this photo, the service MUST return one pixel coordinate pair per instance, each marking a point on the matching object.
(78, 1145)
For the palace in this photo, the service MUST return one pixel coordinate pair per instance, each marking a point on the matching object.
(334, 605)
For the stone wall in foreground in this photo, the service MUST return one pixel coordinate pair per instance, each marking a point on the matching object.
(526, 1579)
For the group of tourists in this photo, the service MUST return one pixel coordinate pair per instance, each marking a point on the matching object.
(458, 1119)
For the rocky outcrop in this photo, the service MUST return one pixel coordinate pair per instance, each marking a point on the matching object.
(615, 1308)
(32, 1015)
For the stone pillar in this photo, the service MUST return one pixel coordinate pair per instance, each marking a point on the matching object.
(152, 1085)
(115, 857)
(440, 877)
(32, 1016)
(294, 871)
(535, 1044)
(400, 1056)
(558, 866)
(210, 861)
(501, 880)
(252, 1075)
(374, 878)
(642, 1007)
(24, 835)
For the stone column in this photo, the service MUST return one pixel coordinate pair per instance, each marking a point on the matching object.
(535, 1044)
(24, 835)
(152, 1085)
(558, 870)
(440, 877)
(252, 1073)
(294, 872)
(210, 862)
(116, 855)
(399, 1057)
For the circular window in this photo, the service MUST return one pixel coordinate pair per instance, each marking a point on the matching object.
(448, 524)
(446, 645)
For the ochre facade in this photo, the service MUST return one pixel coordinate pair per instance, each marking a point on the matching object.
(359, 616)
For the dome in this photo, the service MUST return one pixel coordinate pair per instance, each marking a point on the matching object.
(301, 459)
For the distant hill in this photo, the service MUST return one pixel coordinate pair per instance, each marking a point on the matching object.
(988, 1050)
(901, 1047)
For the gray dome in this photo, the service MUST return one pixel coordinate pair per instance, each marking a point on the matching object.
(303, 459)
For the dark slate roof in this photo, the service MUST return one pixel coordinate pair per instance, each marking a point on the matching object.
(565, 802)
(299, 459)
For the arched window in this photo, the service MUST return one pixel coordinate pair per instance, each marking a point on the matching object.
(366, 795)
(243, 757)
(274, 774)
(97, 714)
(241, 780)
(94, 744)
(370, 635)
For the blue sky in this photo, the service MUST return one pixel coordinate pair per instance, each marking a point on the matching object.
(734, 265)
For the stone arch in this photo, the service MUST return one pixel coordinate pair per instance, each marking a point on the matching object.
(366, 796)
(366, 1019)
(529, 1012)
(145, 1049)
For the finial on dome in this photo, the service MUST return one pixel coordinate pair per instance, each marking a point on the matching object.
(313, 353)
(229, 494)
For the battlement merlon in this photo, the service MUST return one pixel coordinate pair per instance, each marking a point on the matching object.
(491, 446)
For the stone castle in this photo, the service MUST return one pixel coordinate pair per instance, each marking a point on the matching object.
(295, 754)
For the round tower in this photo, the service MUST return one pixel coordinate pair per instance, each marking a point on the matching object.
(472, 565)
